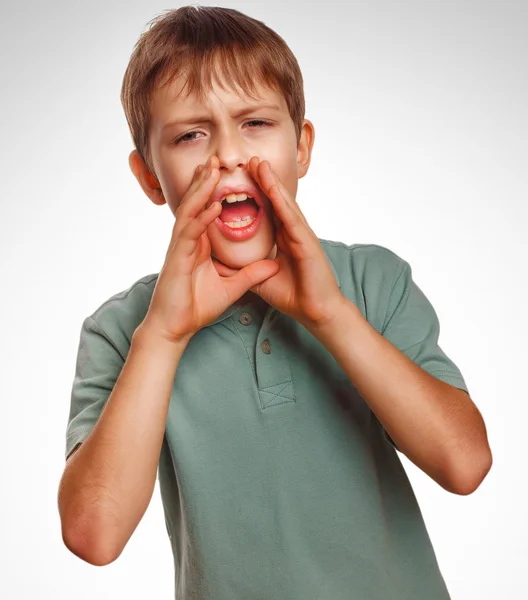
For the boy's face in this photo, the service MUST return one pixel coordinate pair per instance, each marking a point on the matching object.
(234, 140)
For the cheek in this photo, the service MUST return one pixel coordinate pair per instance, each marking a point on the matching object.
(289, 178)
(176, 187)
(283, 163)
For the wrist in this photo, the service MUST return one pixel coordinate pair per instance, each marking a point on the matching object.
(334, 313)
(148, 333)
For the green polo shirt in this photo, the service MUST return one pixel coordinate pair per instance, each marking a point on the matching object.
(277, 480)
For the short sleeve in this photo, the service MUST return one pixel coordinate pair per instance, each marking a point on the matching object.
(411, 325)
(97, 369)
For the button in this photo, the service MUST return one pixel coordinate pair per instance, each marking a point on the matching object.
(266, 346)
(245, 318)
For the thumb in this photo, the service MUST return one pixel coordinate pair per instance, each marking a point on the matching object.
(249, 276)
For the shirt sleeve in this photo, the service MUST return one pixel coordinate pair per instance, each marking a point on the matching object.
(98, 366)
(411, 325)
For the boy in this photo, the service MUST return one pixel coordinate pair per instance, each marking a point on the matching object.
(270, 375)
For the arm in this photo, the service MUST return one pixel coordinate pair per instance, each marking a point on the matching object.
(434, 424)
(108, 481)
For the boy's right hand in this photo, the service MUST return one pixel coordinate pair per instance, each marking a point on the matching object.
(189, 292)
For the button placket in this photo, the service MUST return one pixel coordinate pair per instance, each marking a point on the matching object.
(274, 378)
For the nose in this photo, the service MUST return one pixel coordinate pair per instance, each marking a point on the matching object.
(231, 151)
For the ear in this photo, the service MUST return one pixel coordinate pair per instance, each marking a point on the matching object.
(148, 182)
(304, 149)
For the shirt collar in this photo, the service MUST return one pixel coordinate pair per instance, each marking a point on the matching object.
(242, 302)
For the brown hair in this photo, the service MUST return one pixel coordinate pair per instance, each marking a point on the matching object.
(188, 41)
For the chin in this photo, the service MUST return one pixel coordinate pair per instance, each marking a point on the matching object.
(237, 255)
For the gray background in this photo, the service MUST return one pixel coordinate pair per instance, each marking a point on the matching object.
(421, 146)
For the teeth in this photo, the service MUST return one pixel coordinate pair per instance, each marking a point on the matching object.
(239, 224)
(236, 198)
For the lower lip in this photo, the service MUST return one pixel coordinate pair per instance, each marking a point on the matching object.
(241, 233)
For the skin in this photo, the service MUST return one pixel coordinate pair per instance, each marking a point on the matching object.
(304, 287)
(234, 141)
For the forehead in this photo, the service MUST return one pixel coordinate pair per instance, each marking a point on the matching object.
(175, 95)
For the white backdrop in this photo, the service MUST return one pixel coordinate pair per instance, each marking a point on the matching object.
(421, 146)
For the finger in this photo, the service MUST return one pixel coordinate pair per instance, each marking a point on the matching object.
(189, 236)
(221, 269)
(198, 176)
(266, 178)
(197, 196)
(269, 176)
(284, 207)
(183, 214)
(198, 200)
(248, 277)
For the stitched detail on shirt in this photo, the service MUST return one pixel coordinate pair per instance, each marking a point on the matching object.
(106, 336)
(448, 373)
(282, 390)
(395, 280)
(146, 281)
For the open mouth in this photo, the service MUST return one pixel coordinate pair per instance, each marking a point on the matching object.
(240, 213)
(240, 221)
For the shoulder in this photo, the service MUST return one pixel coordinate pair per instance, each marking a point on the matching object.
(366, 275)
(363, 260)
(118, 317)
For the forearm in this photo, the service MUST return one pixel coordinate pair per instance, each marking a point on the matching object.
(108, 482)
(438, 429)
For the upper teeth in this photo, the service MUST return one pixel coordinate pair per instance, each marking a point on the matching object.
(236, 198)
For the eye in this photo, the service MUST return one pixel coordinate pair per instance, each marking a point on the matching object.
(256, 122)
(261, 123)
(185, 138)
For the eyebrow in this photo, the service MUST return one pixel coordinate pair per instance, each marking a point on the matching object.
(206, 119)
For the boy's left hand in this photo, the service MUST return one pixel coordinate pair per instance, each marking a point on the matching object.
(304, 287)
